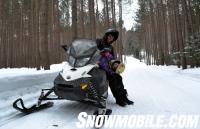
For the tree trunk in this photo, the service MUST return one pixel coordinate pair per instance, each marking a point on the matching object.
(44, 34)
(107, 22)
(92, 25)
(113, 13)
(120, 46)
(97, 19)
(74, 19)
(180, 38)
(56, 35)
(82, 20)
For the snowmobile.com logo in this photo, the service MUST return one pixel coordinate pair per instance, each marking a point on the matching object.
(137, 121)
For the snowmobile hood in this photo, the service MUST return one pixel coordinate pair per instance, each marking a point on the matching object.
(69, 74)
(113, 32)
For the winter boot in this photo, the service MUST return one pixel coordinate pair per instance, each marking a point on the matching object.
(119, 98)
(125, 98)
(121, 103)
(129, 102)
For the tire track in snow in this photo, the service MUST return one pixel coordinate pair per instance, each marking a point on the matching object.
(26, 87)
(8, 113)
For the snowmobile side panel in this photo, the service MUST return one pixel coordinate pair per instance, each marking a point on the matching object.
(100, 80)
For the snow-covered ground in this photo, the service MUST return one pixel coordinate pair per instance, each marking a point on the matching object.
(154, 89)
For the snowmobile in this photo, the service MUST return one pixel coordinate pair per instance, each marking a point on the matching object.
(79, 80)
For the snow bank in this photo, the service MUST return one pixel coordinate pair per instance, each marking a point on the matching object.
(13, 72)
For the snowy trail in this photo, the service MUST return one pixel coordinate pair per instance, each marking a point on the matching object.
(155, 90)
(27, 87)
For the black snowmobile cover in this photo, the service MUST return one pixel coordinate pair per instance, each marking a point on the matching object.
(82, 51)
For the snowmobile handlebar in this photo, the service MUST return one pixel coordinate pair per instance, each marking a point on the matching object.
(65, 47)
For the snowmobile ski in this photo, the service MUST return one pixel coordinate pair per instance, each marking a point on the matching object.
(105, 112)
(108, 112)
(32, 109)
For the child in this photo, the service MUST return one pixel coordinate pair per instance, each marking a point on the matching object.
(115, 80)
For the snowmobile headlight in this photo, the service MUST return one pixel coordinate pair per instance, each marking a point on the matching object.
(84, 86)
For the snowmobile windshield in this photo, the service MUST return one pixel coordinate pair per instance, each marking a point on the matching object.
(81, 51)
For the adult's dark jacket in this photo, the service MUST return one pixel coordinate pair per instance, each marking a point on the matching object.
(101, 45)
